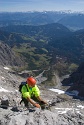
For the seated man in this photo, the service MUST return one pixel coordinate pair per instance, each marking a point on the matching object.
(31, 93)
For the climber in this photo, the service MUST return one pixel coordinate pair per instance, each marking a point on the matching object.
(31, 93)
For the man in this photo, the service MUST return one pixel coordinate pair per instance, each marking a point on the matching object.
(31, 93)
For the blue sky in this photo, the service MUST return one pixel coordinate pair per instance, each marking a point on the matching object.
(41, 5)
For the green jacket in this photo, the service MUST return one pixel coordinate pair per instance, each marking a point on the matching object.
(29, 92)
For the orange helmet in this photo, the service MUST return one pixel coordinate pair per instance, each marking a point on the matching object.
(31, 81)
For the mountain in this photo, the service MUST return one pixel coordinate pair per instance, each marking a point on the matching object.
(54, 29)
(76, 81)
(32, 41)
(74, 20)
(71, 46)
(8, 57)
(45, 43)
(30, 18)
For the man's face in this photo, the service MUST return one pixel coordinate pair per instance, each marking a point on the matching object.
(31, 85)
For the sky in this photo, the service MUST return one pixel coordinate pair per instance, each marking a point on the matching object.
(41, 5)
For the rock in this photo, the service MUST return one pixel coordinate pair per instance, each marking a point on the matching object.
(15, 109)
(77, 78)
(4, 102)
(63, 110)
(8, 57)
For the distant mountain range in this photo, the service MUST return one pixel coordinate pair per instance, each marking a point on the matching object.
(74, 21)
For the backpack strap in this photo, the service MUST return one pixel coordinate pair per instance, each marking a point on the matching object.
(26, 87)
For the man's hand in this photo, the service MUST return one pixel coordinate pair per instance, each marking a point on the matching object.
(43, 102)
(37, 105)
(33, 103)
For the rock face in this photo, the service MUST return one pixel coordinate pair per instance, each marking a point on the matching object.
(41, 118)
(7, 56)
(77, 80)
(63, 110)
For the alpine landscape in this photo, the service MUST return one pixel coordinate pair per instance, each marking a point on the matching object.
(49, 46)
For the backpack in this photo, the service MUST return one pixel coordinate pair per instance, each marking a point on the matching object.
(20, 88)
(21, 85)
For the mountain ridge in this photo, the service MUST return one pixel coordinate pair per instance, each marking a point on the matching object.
(40, 18)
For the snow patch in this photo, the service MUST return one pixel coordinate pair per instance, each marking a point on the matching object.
(3, 90)
(57, 90)
(70, 93)
(6, 68)
(65, 110)
(80, 106)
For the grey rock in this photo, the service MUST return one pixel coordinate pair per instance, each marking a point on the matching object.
(8, 57)
(4, 102)
(63, 110)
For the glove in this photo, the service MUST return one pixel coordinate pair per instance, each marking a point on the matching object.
(37, 105)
